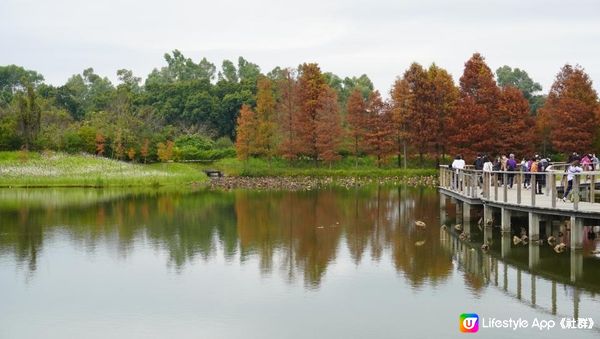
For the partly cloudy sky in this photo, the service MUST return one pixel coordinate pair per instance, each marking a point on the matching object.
(348, 37)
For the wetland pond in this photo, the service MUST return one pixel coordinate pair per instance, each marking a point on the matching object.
(328, 263)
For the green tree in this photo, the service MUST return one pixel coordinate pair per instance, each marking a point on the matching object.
(28, 115)
(15, 78)
(507, 76)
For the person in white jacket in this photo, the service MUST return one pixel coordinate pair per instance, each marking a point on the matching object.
(458, 164)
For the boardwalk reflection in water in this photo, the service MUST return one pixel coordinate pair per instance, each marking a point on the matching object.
(351, 261)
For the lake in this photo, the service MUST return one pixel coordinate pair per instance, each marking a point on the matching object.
(329, 263)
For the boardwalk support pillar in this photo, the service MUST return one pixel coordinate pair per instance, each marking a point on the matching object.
(534, 226)
(505, 220)
(534, 255)
(576, 265)
(505, 245)
(576, 233)
(548, 226)
(487, 214)
(466, 210)
(443, 218)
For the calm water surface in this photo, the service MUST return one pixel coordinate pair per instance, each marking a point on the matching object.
(333, 263)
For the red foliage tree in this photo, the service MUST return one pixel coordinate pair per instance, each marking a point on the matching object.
(356, 108)
(265, 119)
(311, 86)
(245, 132)
(145, 149)
(475, 125)
(401, 108)
(379, 135)
(441, 103)
(516, 131)
(420, 116)
(100, 144)
(328, 126)
(288, 114)
(571, 111)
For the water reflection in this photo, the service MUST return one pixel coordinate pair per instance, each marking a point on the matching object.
(533, 274)
(296, 233)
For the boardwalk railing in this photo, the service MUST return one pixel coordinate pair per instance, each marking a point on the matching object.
(523, 188)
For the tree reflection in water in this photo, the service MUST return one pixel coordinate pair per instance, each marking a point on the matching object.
(298, 234)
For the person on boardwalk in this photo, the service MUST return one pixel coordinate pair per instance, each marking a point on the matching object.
(511, 166)
(571, 172)
(595, 162)
(478, 165)
(458, 164)
(573, 157)
(525, 166)
(586, 163)
(542, 167)
(488, 167)
(535, 168)
(503, 167)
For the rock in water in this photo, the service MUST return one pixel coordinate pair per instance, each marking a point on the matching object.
(560, 248)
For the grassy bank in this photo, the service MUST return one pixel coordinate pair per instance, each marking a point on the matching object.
(30, 169)
(343, 168)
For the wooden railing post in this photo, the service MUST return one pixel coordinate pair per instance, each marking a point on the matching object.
(532, 187)
(553, 194)
(505, 187)
(475, 185)
(593, 189)
(519, 183)
(575, 193)
(495, 180)
(486, 185)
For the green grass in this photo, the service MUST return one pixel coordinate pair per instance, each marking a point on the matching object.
(29, 169)
(344, 168)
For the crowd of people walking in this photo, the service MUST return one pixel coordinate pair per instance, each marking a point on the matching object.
(532, 167)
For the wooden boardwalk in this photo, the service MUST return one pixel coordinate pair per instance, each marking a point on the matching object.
(472, 190)
(471, 187)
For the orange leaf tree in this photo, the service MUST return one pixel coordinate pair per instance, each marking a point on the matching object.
(145, 149)
(401, 108)
(379, 136)
(264, 141)
(515, 127)
(311, 87)
(475, 125)
(100, 144)
(246, 133)
(356, 108)
(571, 111)
(328, 126)
(420, 116)
(288, 113)
(442, 95)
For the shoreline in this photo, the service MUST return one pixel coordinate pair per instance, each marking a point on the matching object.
(307, 183)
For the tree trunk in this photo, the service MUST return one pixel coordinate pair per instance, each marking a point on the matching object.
(404, 147)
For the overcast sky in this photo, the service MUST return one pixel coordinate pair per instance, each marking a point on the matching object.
(348, 37)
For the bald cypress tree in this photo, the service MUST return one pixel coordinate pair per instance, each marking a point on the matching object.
(571, 111)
